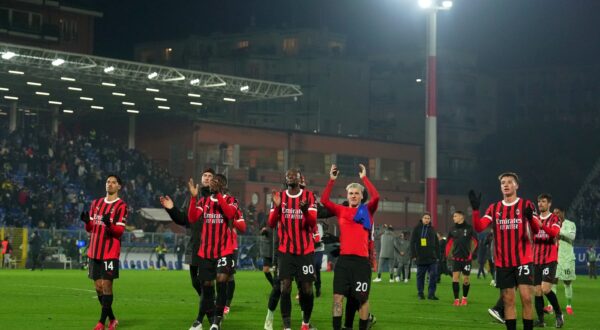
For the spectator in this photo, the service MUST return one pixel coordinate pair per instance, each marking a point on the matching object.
(386, 253)
(591, 261)
(402, 255)
(161, 250)
(6, 252)
(425, 251)
(180, 251)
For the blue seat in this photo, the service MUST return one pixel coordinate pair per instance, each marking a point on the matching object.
(138, 264)
(124, 265)
(145, 264)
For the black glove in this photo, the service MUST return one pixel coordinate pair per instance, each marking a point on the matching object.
(106, 220)
(528, 213)
(85, 217)
(205, 191)
(304, 207)
(474, 199)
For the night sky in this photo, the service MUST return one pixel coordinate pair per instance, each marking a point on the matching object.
(504, 33)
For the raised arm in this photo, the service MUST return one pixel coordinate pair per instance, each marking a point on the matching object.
(175, 214)
(229, 209)
(327, 203)
(275, 212)
(568, 232)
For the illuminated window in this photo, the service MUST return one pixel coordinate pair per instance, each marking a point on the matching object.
(290, 45)
(243, 44)
(167, 53)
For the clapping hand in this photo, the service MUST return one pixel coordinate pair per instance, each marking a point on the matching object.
(106, 220)
(193, 187)
(85, 217)
(166, 202)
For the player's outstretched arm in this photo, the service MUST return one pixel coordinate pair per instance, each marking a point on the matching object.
(374, 200)
(327, 203)
(479, 223)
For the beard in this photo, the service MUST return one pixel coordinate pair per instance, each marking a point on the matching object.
(293, 185)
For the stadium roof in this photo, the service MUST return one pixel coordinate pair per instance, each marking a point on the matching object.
(43, 79)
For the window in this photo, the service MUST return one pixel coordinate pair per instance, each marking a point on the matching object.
(396, 170)
(68, 30)
(348, 165)
(20, 19)
(167, 53)
(336, 47)
(243, 44)
(290, 45)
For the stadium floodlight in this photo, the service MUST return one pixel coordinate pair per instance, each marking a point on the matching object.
(55, 102)
(108, 84)
(128, 103)
(133, 111)
(164, 107)
(418, 80)
(33, 83)
(4, 89)
(97, 107)
(244, 88)
(228, 99)
(195, 103)
(67, 78)
(8, 97)
(42, 93)
(8, 55)
(194, 81)
(77, 89)
(85, 98)
(161, 99)
(109, 69)
(153, 75)
(193, 95)
(58, 62)
(67, 111)
(16, 72)
(154, 90)
(425, 4)
(118, 94)
(447, 4)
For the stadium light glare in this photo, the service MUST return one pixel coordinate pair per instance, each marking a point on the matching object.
(133, 111)
(108, 84)
(67, 111)
(418, 80)
(195, 103)
(77, 89)
(160, 99)
(128, 103)
(55, 102)
(85, 98)
(8, 97)
(425, 4)
(153, 75)
(447, 4)
(164, 107)
(8, 55)
(42, 93)
(118, 94)
(16, 72)
(228, 99)
(4, 89)
(194, 81)
(109, 69)
(33, 83)
(193, 95)
(154, 90)
(97, 107)
(244, 88)
(67, 78)
(58, 62)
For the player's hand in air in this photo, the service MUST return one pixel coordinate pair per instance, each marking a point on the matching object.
(276, 198)
(363, 171)
(85, 217)
(166, 202)
(333, 173)
(193, 188)
(474, 199)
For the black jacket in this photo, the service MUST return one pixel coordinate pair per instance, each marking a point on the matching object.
(428, 253)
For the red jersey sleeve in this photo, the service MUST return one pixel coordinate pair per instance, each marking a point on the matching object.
(481, 223)
(240, 223)
(374, 199)
(552, 227)
(119, 220)
(195, 209)
(311, 214)
(274, 214)
(535, 221)
(331, 206)
(228, 206)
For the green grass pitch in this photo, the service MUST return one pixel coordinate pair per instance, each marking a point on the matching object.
(65, 299)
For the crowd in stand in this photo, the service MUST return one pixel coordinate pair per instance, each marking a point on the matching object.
(587, 213)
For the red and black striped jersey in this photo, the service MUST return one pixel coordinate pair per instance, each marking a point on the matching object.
(239, 225)
(217, 212)
(462, 242)
(513, 233)
(545, 247)
(295, 228)
(106, 244)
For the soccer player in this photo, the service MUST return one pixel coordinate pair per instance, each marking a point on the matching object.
(545, 253)
(513, 219)
(294, 210)
(105, 222)
(352, 276)
(462, 241)
(217, 212)
(565, 269)
(231, 281)
(194, 231)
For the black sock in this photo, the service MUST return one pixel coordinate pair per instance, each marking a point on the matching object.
(99, 297)
(286, 308)
(362, 324)
(499, 305)
(274, 296)
(455, 289)
(378, 275)
(269, 277)
(337, 323)
(511, 324)
(221, 298)
(554, 302)
(306, 302)
(230, 291)
(197, 284)
(466, 289)
(539, 307)
(107, 300)
(351, 309)
(527, 324)
(208, 301)
(200, 316)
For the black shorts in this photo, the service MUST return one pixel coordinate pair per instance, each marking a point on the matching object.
(352, 277)
(510, 277)
(461, 266)
(209, 268)
(544, 273)
(299, 267)
(103, 269)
